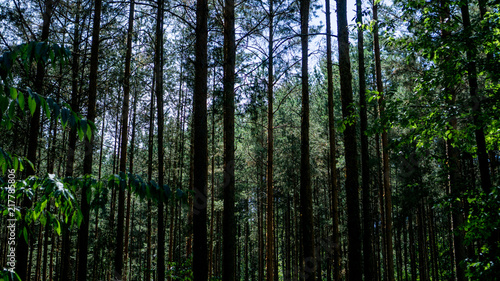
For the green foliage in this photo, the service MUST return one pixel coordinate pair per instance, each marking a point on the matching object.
(483, 225)
(181, 271)
(11, 96)
(62, 193)
(6, 275)
(145, 190)
(50, 190)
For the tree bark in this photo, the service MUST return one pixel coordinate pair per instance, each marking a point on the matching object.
(482, 154)
(131, 170)
(150, 175)
(270, 148)
(160, 262)
(385, 154)
(118, 261)
(83, 231)
(368, 264)
(70, 158)
(350, 143)
(229, 222)
(34, 128)
(200, 258)
(308, 258)
(333, 148)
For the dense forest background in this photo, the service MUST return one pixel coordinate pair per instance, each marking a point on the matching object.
(222, 140)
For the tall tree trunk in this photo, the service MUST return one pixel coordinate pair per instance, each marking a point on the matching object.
(350, 143)
(369, 265)
(83, 231)
(333, 148)
(270, 148)
(150, 175)
(229, 222)
(131, 170)
(385, 154)
(452, 153)
(308, 258)
(34, 128)
(70, 158)
(413, 258)
(200, 258)
(118, 261)
(246, 246)
(160, 262)
(475, 99)
(212, 192)
(422, 245)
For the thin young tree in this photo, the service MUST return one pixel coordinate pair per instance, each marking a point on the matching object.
(350, 144)
(333, 147)
(83, 231)
(150, 175)
(368, 268)
(385, 151)
(471, 53)
(124, 142)
(452, 152)
(270, 148)
(200, 258)
(229, 223)
(308, 259)
(158, 67)
(34, 129)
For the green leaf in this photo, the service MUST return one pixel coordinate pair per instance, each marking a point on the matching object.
(89, 133)
(72, 120)
(57, 226)
(31, 105)
(65, 113)
(25, 234)
(20, 100)
(12, 109)
(80, 133)
(13, 93)
(44, 105)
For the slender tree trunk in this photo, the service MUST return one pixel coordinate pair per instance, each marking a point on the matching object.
(350, 143)
(308, 259)
(34, 128)
(260, 227)
(288, 257)
(160, 262)
(118, 261)
(433, 246)
(212, 194)
(83, 231)
(200, 145)
(333, 148)
(131, 170)
(413, 258)
(369, 266)
(70, 158)
(422, 247)
(475, 99)
(385, 154)
(150, 176)
(270, 148)
(246, 246)
(229, 222)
